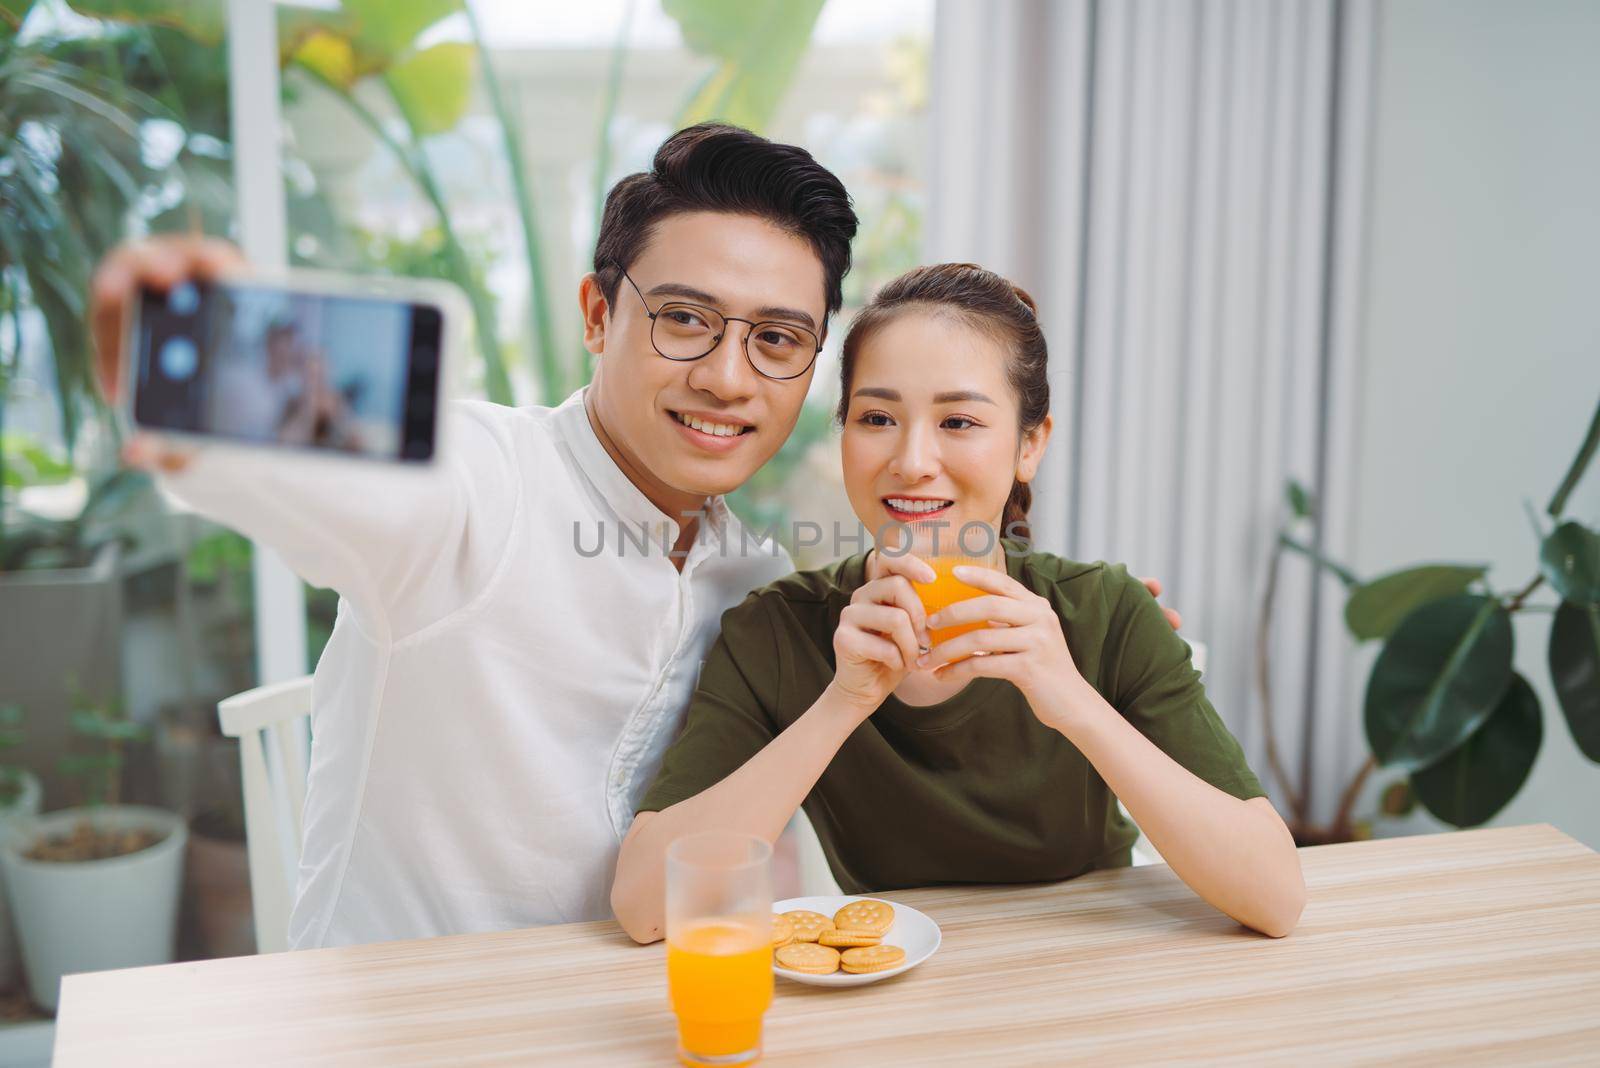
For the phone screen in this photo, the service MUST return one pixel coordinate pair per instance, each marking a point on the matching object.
(257, 364)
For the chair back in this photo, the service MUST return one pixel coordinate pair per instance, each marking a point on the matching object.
(273, 725)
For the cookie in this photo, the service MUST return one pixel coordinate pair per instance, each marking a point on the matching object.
(807, 925)
(874, 917)
(837, 938)
(782, 931)
(809, 958)
(865, 959)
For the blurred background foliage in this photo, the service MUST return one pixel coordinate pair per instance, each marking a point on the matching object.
(116, 125)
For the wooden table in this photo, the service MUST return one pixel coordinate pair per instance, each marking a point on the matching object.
(1476, 946)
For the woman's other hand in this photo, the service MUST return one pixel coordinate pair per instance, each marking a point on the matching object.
(881, 631)
(1023, 644)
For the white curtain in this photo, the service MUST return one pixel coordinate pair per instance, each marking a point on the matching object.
(1180, 184)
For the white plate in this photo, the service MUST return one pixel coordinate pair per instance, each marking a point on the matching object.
(912, 931)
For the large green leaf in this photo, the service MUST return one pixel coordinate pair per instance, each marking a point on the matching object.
(758, 45)
(1575, 670)
(391, 27)
(1437, 679)
(203, 20)
(1570, 560)
(1376, 608)
(1477, 778)
(361, 38)
(432, 87)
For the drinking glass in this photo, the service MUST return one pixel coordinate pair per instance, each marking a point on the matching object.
(941, 549)
(719, 945)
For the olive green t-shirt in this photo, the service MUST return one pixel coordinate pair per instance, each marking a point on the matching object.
(974, 789)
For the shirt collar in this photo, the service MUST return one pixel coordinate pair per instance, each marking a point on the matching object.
(626, 499)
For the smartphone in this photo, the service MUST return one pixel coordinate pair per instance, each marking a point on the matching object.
(308, 361)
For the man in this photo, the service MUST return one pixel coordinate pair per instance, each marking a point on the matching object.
(493, 701)
(282, 393)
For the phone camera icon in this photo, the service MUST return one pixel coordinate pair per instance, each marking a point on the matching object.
(179, 358)
(183, 299)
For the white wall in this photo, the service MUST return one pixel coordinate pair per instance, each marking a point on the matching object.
(1482, 336)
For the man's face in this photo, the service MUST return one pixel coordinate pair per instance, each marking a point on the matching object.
(741, 266)
(284, 355)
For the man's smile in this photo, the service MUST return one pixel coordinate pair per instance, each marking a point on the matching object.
(719, 433)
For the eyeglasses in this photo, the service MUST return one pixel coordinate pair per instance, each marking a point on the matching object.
(681, 331)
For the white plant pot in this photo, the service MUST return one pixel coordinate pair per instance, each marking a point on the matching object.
(14, 819)
(95, 915)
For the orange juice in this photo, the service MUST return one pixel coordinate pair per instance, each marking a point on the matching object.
(719, 974)
(946, 590)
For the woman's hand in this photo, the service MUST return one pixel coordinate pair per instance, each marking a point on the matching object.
(1023, 644)
(881, 631)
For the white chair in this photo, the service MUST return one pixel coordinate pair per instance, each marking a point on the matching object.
(273, 725)
(816, 878)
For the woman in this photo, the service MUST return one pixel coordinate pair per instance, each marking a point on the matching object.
(921, 767)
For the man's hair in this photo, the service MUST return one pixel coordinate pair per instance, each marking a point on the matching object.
(716, 167)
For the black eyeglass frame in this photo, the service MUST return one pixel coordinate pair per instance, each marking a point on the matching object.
(717, 340)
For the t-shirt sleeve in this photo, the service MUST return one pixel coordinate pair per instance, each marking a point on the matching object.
(729, 719)
(1156, 688)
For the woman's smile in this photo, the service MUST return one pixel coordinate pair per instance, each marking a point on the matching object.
(907, 509)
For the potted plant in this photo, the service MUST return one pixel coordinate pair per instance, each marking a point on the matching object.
(61, 611)
(20, 794)
(95, 887)
(1444, 706)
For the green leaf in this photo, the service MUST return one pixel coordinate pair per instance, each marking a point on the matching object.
(361, 38)
(88, 721)
(1437, 679)
(1376, 608)
(328, 56)
(29, 463)
(12, 12)
(1299, 500)
(125, 730)
(758, 45)
(1570, 560)
(1480, 776)
(1580, 463)
(115, 493)
(203, 20)
(433, 87)
(1575, 670)
(391, 27)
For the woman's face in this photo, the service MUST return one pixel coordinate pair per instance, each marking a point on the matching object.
(931, 432)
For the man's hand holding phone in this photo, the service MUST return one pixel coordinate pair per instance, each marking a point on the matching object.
(158, 264)
(309, 361)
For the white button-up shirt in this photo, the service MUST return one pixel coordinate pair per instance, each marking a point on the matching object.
(502, 680)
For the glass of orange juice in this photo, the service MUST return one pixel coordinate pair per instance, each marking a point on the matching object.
(719, 945)
(942, 551)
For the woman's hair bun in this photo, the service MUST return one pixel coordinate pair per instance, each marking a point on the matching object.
(1023, 295)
